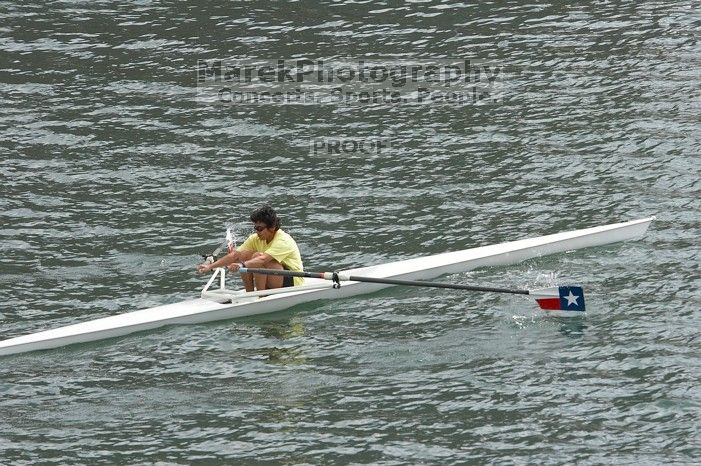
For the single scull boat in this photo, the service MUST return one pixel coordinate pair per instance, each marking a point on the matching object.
(221, 303)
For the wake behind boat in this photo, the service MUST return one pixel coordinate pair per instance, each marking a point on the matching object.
(221, 303)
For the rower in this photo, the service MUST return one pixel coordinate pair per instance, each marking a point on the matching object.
(269, 247)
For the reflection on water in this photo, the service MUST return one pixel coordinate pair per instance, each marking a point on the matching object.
(113, 179)
(289, 355)
(284, 330)
(573, 326)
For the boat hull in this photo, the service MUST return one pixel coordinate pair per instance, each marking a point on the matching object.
(421, 268)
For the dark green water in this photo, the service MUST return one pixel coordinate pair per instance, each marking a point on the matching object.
(114, 177)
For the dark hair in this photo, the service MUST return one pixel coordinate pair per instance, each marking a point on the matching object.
(266, 215)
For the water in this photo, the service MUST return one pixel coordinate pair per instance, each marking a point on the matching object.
(114, 180)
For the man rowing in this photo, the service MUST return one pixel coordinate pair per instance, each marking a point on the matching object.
(269, 247)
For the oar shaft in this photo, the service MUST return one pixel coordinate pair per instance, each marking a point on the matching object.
(386, 281)
(452, 286)
(287, 273)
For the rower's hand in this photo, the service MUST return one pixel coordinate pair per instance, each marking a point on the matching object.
(204, 268)
(234, 267)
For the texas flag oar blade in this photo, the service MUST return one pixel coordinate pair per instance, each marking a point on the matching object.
(560, 298)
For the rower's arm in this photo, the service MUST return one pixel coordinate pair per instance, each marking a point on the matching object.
(226, 260)
(223, 262)
(259, 259)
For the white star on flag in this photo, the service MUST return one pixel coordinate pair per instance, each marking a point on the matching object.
(571, 299)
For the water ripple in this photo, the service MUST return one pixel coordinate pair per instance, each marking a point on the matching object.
(114, 180)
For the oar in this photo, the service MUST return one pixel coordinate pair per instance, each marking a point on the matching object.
(558, 298)
(229, 244)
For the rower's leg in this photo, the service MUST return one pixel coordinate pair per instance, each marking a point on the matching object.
(260, 282)
(268, 282)
(246, 278)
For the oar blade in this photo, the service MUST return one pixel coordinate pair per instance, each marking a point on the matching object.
(560, 298)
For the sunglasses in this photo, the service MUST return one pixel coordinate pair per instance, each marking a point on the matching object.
(259, 228)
